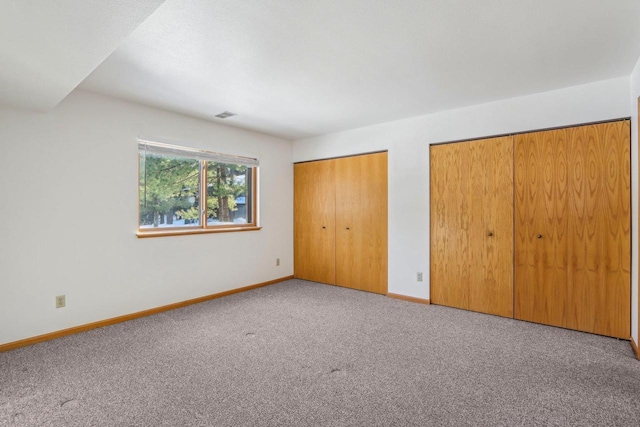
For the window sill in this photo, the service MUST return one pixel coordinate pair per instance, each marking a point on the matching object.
(166, 233)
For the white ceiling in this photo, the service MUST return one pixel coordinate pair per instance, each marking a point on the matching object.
(296, 68)
(48, 47)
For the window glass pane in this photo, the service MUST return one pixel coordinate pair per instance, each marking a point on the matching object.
(169, 191)
(228, 194)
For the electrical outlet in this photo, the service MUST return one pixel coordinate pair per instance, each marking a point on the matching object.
(419, 277)
(61, 301)
(277, 262)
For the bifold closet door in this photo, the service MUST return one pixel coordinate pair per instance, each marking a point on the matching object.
(542, 220)
(573, 228)
(361, 222)
(340, 222)
(314, 221)
(472, 225)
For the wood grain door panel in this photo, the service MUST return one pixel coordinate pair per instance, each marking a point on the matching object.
(491, 287)
(573, 228)
(599, 228)
(472, 225)
(449, 230)
(361, 222)
(314, 221)
(541, 227)
(348, 222)
(373, 220)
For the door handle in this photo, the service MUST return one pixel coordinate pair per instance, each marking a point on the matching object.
(323, 227)
(348, 228)
(539, 236)
(490, 234)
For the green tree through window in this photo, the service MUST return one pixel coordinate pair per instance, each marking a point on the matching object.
(180, 192)
(227, 192)
(169, 190)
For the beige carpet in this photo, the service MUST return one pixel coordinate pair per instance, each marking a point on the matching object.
(305, 354)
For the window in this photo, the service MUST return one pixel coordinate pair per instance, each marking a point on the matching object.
(187, 191)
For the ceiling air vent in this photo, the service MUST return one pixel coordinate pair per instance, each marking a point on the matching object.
(225, 115)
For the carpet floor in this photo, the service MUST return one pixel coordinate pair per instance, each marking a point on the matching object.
(305, 354)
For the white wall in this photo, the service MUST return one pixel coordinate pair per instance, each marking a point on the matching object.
(635, 93)
(408, 144)
(58, 237)
(68, 191)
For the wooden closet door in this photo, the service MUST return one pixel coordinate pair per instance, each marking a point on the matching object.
(541, 289)
(373, 220)
(450, 261)
(472, 225)
(573, 228)
(314, 221)
(599, 228)
(491, 280)
(361, 222)
(348, 261)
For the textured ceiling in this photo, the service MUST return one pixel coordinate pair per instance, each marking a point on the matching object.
(296, 68)
(48, 47)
